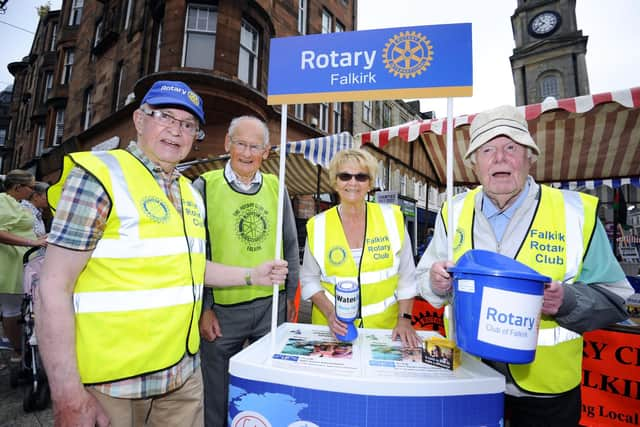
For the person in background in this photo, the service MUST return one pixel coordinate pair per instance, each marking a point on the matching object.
(361, 241)
(16, 237)
(555, 232)
(37, 203)
(243, 233)
(121, 289)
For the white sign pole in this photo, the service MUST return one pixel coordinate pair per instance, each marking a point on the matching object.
(281, 177)
(451, 229)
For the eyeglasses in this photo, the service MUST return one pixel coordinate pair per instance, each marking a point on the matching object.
(166, 119)
(360, 177)
(489, 151)
(253, 148)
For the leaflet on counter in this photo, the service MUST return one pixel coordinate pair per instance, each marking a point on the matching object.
(373, 353)
(315, 347)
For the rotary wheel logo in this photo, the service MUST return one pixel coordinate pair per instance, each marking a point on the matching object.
(337, 255)
(251, 223)
(156, 209)
(407, 54)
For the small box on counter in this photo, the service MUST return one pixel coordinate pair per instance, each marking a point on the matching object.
(441, 352)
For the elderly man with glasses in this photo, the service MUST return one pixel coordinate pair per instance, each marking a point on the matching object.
(242, 205)
(123, 277)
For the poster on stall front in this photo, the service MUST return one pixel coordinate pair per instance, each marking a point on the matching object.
(611, 379)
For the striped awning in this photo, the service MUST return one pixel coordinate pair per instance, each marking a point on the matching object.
(592, 138)
(306, 167)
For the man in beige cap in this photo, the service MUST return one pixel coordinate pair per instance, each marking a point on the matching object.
(555, 232)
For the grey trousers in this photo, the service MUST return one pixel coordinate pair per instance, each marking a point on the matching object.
(240, 324)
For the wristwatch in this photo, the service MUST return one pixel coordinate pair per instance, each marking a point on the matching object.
(404, 316)
(247, 277)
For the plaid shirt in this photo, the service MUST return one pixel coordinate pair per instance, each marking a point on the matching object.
(79, 223)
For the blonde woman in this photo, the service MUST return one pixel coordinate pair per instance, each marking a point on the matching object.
(362, 242)
(16, 237)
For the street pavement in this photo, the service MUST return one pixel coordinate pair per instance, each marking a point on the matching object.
(11, 412)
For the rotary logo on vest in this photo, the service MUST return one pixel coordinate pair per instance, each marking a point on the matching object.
(337, 255)
(405, 55)
(156, 209)
(252, 225)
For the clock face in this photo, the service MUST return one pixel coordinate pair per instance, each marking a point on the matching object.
(544, 24)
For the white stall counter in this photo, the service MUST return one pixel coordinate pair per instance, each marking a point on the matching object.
(313, 380)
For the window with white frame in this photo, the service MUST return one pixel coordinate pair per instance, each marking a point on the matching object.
(76, 12)
(127, 15)
(200, 36)
(339, 27)
(324, 116)
(248, 57)
(337, 117)
(67, 67)
(298, 111)
(3, 137)
(302, 16)
(366, 111)
(88, 108)
(54, 38)
(59, 129)
(41, 140)
(156, 63)
(48, 85)
(327, 21)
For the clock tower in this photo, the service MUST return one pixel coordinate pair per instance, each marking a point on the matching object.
(549, 57)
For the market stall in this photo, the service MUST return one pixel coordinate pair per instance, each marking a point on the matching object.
(313, 380)
(585, 142)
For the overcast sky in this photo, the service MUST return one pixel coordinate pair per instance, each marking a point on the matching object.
(613, 61)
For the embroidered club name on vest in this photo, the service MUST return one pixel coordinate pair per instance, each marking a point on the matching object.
(379, 246)
(156, 209)
(191, 210)
(252, 225)
(549, 245)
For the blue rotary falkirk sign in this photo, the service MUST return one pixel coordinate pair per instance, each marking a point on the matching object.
(414, 62)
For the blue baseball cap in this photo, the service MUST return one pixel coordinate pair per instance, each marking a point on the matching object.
(167, 92)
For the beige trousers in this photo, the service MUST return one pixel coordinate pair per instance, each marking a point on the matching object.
(181, 407)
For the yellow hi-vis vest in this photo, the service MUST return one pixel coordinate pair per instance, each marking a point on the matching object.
(137, 301)
(377, 274)
(555, 246)
(242, 231)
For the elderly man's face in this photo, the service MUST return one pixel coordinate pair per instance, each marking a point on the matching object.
(502, 166)
(164, 141)
(246, 148)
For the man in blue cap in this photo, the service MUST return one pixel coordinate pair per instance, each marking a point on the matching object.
(121, 290)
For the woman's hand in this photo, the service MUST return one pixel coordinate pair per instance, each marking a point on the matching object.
(405, 332)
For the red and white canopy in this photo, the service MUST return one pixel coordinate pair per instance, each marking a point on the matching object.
(592, 137)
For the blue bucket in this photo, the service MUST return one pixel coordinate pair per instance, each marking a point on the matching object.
(496, 306)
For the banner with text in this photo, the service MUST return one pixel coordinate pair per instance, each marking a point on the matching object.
(414, 62)
(611, 379)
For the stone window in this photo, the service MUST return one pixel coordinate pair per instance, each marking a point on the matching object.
(200, 36)
(248, 57)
